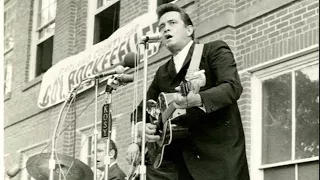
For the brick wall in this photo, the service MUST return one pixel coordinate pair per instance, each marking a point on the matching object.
(129, 10)
(65, 31)
(260, 38)
(281, 32)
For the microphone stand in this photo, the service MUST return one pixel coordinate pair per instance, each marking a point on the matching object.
(142, 169)
(111, 85)
(52, 162)
(95, 131)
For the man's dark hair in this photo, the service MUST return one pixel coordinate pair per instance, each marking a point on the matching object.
(111, 146)
(169, 7)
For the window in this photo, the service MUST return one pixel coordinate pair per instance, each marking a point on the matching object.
(87, 144)
(287, 100)
(9, 19)
(106, 22)
(103, 20)
(44, 25)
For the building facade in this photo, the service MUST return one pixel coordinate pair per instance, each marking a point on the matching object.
(275, 44)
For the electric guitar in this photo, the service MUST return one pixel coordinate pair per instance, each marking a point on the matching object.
(168, 119)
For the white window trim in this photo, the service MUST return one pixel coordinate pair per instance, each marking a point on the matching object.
(25, 153)
(8, 79)
(287, 63)
(91, 13)
(35, 41)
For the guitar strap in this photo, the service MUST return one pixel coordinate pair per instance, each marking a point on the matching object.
(196, 58)
(193, 67)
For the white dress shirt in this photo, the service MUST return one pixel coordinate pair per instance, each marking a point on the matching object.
(181, 56)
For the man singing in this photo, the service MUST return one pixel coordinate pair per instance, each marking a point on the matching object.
(114, 173)
(215, 148)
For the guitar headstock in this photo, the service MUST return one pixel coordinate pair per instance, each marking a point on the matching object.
(153, 109)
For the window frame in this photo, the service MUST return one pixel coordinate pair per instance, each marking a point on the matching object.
(282, 65)
(8, 52)
(91, 13)
(27, 152)
(35, 40)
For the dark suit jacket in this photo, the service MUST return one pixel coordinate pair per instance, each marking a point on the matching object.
(115, 173)
(215, 149)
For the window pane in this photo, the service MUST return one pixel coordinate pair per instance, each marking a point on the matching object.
(52, 11)
(47, 12)
(7, 72)
(44, 17)
(308, 171)
(106, 22)
(44, 4)
(44, 56)
(276, 112)
(99, 3)
(307, 112)
(9, 16)
(280, 173)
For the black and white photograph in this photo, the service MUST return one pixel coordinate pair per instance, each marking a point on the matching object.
(160, 90)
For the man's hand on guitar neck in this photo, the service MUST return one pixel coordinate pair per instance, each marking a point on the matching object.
(191, 100)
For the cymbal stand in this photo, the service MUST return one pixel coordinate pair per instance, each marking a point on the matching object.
(52, 162)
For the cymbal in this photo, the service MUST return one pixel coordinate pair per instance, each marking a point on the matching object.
(39, 168)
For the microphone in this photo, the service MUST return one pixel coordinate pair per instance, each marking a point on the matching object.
(125, 78)
(14, 170)
(129, 60)
(150, 38)
(118, 70)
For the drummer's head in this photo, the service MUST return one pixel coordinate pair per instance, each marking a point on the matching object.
(101, 152)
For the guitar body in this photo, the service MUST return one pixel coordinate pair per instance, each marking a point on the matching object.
(168, 127)
(169, 121)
